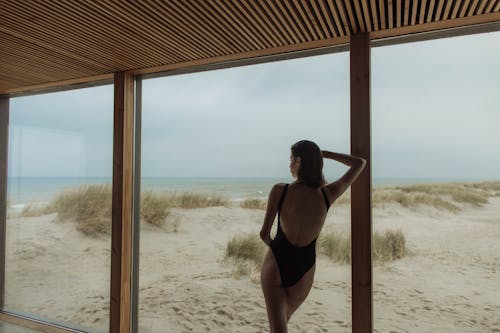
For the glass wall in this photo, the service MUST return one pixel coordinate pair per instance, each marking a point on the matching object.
(213, 145)
(436, 203)
(59, 207)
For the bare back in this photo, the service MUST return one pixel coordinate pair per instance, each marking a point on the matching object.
(303, 214)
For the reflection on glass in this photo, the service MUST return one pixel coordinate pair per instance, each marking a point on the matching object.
(59, 207)
(213, 145)
(436, 208)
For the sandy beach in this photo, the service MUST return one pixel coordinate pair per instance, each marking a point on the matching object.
(448, 282)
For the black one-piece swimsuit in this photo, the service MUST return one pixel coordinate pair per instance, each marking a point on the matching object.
(293, 261)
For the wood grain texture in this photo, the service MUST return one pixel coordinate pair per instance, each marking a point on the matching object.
(122, 205)
(47, 42)
(37, 325)
(361, 216)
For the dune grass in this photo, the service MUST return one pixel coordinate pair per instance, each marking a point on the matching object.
(190, 200)
(246, 247)
(387, 246)
(445, 196)
(90, 207)
(247, 252)
(254, 203)
(154, 208)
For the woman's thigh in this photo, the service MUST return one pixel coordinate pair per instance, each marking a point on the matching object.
(298, 293)
(274, 294)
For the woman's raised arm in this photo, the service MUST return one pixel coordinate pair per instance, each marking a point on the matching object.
(356, 165)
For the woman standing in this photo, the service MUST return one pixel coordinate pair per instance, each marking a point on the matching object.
(288, 269)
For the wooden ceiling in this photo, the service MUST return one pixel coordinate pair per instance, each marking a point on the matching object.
(45, 43)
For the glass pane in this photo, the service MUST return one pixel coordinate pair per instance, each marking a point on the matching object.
(437, 185)
(213, 145)
(59, 207)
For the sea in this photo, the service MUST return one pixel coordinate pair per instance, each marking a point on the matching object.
(29, 190)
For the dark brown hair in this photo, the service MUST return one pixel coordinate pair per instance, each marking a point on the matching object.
(311, 165)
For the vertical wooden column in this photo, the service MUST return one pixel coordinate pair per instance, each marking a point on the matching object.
(122, 212)
(361, 214)
(4, 140)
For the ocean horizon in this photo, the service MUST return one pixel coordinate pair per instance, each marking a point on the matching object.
(22, 190)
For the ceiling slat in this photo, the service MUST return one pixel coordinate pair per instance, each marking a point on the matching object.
(482, 5)
(343, 24)
(447, 10)
(325, 8)
(430, 11)
(44, 42)
(359, 16)
(164, 11)
(390, 14)
(298, 20)
(258, 29)
(489, 8)
(350, 14)
(455, 9)
(465, 6)
(281, 23)
(284, 9)
(207, 17)
(266, 22)
(310, 20)
(439, 10)
(421, 16)
(399, 13)
(366, 14)
(329, 30)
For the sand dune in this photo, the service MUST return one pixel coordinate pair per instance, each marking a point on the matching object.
(450, 282)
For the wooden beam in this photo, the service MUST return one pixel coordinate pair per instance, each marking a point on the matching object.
(34, 324)
(59, 85)
(121, 237)
(4, 144)
(361, 214)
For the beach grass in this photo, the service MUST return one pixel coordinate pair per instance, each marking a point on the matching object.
(189, 200)
(254, 203)
(445, 196)
(387, 246)
(154, 208)
(89, 206)
(246, 247)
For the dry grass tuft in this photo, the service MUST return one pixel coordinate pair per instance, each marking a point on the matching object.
(337, 246)
(246, 247)
(198, 200)
(387, 246)
(89, 206)
(154, 208)
(446, 196)
(254, 203)
(247, 252)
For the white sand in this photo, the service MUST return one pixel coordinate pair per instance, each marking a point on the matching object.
(450, 282)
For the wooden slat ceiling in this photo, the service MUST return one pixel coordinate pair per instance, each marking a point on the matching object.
(44, 41)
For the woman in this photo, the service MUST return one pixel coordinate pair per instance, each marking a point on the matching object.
(288, 268)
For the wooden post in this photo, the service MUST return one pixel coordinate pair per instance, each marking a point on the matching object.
(4, 143)
(121, 238)
(361, 214)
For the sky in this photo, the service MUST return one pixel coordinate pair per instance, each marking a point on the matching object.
(435, 114)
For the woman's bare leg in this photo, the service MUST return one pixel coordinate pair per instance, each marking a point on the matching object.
(274, 294)
(297, 293)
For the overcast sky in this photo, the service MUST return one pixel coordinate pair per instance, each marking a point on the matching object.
(435, 114)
